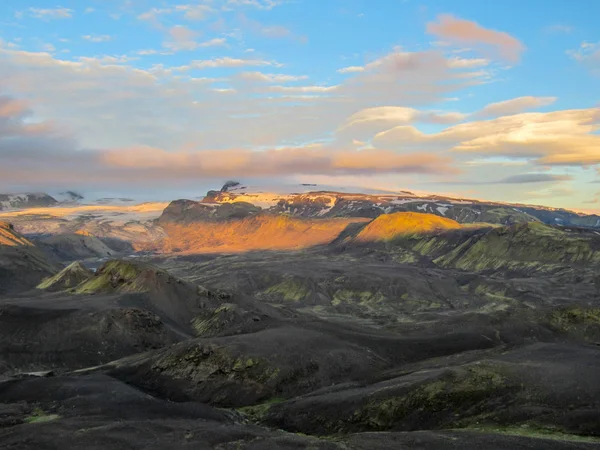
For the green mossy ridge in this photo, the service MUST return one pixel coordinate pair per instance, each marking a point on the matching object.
(531, 246)
(70, 277)
(217, 321)
(506, 216)
(256, 413)
(200, 362)
(533, 431)
(576, 316)
(39, 416)
(123, 275)
(291, 290)
(365, 298)
(578, 321)
(454, 390)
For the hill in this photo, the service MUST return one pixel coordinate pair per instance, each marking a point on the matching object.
(257, 232)
(390, 226)
(22, 264)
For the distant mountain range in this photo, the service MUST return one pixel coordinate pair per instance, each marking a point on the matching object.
(26, 200)
(236, 200)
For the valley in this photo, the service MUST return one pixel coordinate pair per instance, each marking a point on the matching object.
(299, 320)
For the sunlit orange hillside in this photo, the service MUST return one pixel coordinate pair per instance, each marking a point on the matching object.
(11, 238)
(252, 233)
(389, 226)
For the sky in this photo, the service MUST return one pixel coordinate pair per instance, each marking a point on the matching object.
(487, 100)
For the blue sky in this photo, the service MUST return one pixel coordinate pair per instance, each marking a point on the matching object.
(495, 100)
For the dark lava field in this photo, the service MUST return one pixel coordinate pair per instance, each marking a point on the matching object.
(453, 338)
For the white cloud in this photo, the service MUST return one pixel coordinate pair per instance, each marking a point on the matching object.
(271, 78)
(47, 13)
(225, 62)
(259, 4)
(587, 54)
(467, 63)
(97, 38)
(351, 69)
(559, 28)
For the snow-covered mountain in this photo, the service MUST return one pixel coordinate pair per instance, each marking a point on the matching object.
(26, 200)
(311, 200)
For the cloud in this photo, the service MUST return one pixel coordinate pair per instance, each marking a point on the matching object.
(181, 38)
(270, 77)
(12, 108)
(514, 106)
(460, 31)
(225, 62)
(351, 69)
(367, 122)
(534, 178)
(565, 137)
(559, 28)
(302, 89)
(259, 4)
(551, 193)
(196, 12)
(97, 38)
(307, 160)
(267, 31)
(467, 63)
(172, 107)
(588, 54)
(47, 14)
(42, 152)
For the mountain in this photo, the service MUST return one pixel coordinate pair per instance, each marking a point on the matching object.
(324, 319)
(75, 246)
(194, 232)
(310, 201)
(68, 278)
(26, 200)
(22, 264)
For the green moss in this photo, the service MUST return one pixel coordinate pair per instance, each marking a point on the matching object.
(39, 415)
(576, 316)
(451, 393)
(70, 277)
(202, 362)
(364, 298)
(583, 322)
(256, 413)
(115, 274)
(529, 246)
(534, 431)
(290, 290)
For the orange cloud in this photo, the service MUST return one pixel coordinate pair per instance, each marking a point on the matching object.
(462, 31)
(514, 106)
(10, 107)
(280, 162)
(555, 138)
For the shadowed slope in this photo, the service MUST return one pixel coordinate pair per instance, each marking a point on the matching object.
(22, 264)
